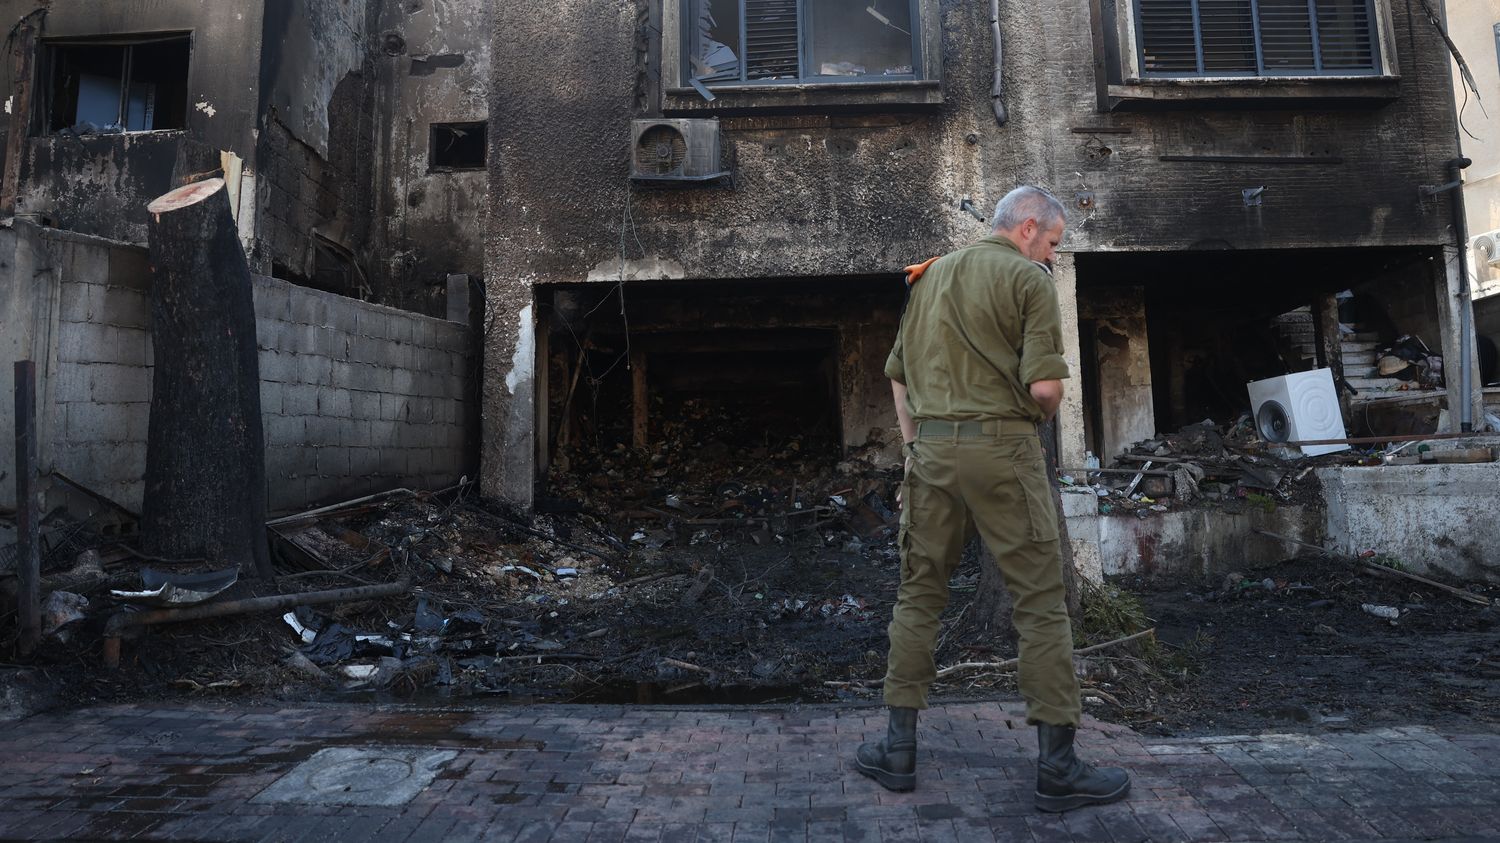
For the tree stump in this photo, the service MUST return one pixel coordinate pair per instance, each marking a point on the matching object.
(205, 455)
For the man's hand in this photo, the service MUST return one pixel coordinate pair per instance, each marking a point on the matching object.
(1048, 395)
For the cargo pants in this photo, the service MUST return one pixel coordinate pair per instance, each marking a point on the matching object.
(989, 476)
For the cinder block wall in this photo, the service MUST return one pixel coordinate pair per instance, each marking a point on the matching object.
(357, 398)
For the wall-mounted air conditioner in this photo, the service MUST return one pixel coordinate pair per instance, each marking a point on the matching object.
(1300, 407)
(1486, 248)
(675, 150)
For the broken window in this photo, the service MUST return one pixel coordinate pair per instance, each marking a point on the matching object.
(783, 41)
(457, 146)
(118, 85)
(1186, 38)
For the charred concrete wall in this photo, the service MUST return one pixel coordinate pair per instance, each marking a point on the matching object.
(859, 182)
(100, 184)
(316, 153)
(355, 397)
(432, 63)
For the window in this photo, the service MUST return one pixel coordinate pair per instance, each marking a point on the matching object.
(118, 85)
(738, 42)
(1238, 38)
(457, 146)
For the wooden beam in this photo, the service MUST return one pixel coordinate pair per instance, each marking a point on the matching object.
(1325, 310)
(28, 544)
(23, 53)
(639, 398)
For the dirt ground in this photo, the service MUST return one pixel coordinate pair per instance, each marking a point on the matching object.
(770, 578)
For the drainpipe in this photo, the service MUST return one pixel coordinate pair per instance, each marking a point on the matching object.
(997, 92)
(1466, 305)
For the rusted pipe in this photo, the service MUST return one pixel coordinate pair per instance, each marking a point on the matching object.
(125, 620)
(997, 91)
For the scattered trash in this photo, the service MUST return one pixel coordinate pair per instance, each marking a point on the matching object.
(1390, 613)
(172, 589)
(60, 609)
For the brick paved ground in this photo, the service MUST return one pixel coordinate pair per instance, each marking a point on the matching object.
(576, 773)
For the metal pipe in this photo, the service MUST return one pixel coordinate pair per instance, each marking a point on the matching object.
(1466, 304)
(28, 537)
(125, 620)
(997, 91)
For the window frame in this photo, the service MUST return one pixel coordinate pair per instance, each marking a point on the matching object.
(1131, 44)
(922, 90)
(804, 50)
(433, 130)
(46, 79)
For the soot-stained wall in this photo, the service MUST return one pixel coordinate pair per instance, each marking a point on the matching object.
(432, 60)
(856, 185)
(101, 184)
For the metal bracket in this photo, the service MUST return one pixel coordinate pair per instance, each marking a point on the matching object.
(1252, 196)
(1432, 190)
(967, 204)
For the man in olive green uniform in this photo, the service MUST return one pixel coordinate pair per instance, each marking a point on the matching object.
(977, 365)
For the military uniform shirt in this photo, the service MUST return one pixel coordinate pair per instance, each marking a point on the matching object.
(981, 325)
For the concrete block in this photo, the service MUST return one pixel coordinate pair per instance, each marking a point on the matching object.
(450, 337)
(299, 400)
(325, 490)
(272, 299)
(279, 367)
(88, 423)
(459, 294)
(314, 369)
(343, 315)
(285, 495)
(72, 383)
(392, 407)
(323, 431)
(137, 421)
(76, 301)
(356, 433)
(382, 434)
(285, 430)
(334, 402)
(79, 342)
(364, 405)
(118, 462)
(333, 461)
(298, 338)
(414, 435)
(401, 328)
(393, 461)
(403, 382)
(125, 307)
(424, 334)
(270, 396)
(373, 324)
(85, 262)
(364, 462)
(308, 307)
(286, 461)
(112, 384)
(361, 376)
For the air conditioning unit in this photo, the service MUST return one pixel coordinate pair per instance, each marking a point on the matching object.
(1299, 407)
(1486, 248)
(679, 150)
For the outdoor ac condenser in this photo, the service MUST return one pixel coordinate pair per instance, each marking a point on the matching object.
(1299, 407)
(675, 150)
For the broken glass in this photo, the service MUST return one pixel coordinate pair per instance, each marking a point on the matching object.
(861, 38)
(715, 56)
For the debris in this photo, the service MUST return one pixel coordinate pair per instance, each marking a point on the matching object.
(169, 589)
(1390, 613)
(303, 665)
(307, 635)
(60, 609)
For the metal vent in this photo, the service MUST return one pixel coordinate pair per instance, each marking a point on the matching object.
(660, 151)
(1168, 42)
(675, 150)
(771, 41)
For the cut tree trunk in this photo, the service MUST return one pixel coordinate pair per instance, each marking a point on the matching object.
(994, 610)
(205, 456)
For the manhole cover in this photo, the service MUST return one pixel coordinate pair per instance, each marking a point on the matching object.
(381, 776)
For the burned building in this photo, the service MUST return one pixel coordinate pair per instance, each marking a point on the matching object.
(733, 185)
(351, 133)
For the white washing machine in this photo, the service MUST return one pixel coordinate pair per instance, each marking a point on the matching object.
(1299, 407)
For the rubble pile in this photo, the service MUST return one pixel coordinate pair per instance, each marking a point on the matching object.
(1206, 465)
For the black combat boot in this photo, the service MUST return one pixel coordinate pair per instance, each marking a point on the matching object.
(893, 761)
(1063, 782)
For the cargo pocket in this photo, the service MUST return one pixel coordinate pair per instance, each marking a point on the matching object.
(907, 505)
(1040, 510)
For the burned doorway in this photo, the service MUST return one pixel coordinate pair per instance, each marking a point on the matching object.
(737, 371)
(1169, 339)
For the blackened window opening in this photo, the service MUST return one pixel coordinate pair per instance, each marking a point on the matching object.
(119, 85)
(458, 146)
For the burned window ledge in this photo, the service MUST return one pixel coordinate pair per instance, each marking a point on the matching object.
(1274, 91)
(805, 96)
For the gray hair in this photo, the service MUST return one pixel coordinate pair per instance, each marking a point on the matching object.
(1027, 202)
